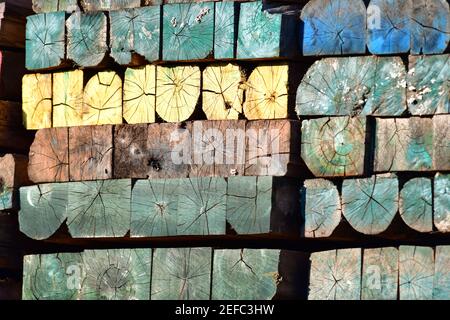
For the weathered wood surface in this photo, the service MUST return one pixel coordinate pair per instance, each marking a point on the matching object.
(45, 36)
(415, 206)
(380, 274)
(86, 38)
(223, 91)
(441, 202)
(135, 31)
(334, 147)
(263, 205)
(388, 26)
(13, 137)
(49, 156)
(334, 27)
(102, 99)
(245, 274)
(353, 86)
(267, 93)
(441, 283)
(265, 35)
(139, 95)
(321, 208)
(370, 204)
(416, 273)
(40, 6)
(101, 5)
(202, 206)
(90, 153)
(272, 148)
(67, 103)
(188, 31)
(13, 174)
(226, 18)
(43, 208)
(428, 91)
(99, 209)
(430, 26)
(412, 144)
(181, 274)
(178, 92)
(12, 68)
(37, 101)
(335, 275)
(12, 22)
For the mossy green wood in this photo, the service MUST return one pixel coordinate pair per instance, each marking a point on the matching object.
(154, 207)
(102, 5)
(334, 146)
(416, 201)
(352, 86)
(428, 89)
(370, 204)
(45, 36)
(441, 283)
(121, 274)
(322, 208)
(188, 31)
(442, 202)
(380, 274)
(52, 276)
(7, 198)
(99, 208)
(40, 6)
(86, 38)
(181, 274)
(416, 273)
(249, 204)
(335, 275)
(404, 144)
(135, 30)
(224, 30)
(202, 206)
(43, 208)
(245, 274)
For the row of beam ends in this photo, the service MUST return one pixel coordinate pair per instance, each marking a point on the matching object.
(405, 273)
(196, 31)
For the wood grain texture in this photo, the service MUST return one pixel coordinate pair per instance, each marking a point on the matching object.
(135, 30)
(345, 35)
(45, 36)
(415, 204)
(37, 101)
(43, 208)
(67, 98)
(335, 275)
(40, 6)
(416, 273)
(139, 95)
(154, 208)
(441, 142)
(102, 99)
(188, 31)
(224, 29)
(13, 174)
(90, 153)
(101, 5)
(245, 274)
(177, 93)
(322, 208)
(428, 91)
(202, 206)
(266, 95)
(441, 282)
(334, 146)
(370, 204)
(49, 156)
(86, 38)
(441, 202)
(380, 274)
(353, 86)
(181, 274)
(222, 91)
(99, 209)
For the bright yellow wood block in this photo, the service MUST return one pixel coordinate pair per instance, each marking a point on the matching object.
(67, 98)
(37, 101)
